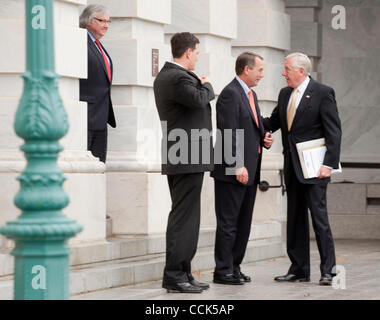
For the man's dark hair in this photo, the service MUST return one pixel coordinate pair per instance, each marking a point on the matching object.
(180, 42)
(246, 59)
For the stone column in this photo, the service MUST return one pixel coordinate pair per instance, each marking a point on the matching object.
(214, 23)
(138, 199)
(264, 28)
(85, 183)
(349, 64)
(306, 31)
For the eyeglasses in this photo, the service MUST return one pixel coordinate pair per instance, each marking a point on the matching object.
(103, 21)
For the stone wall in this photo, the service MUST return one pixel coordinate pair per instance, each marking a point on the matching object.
(86, 179)
(132, 191)
(347, 60)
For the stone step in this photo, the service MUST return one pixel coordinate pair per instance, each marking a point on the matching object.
(365, 227)
(121, 247)
(144, 291)
(113, 273)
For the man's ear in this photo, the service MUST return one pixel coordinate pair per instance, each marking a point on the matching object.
(188, 52)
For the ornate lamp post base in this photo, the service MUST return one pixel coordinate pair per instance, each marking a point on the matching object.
(41, 232)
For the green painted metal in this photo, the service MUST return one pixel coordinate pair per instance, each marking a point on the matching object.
(41, 231)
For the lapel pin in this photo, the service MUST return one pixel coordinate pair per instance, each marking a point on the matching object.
(307, 97)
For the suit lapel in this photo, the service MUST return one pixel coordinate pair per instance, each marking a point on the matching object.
(284, 106)
(303, 103)
(111, 64)
(261, 125)
(96, 52)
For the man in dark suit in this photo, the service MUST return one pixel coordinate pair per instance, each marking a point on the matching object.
(236, 181)
(306, 110)
(96, 89)
(183, 104)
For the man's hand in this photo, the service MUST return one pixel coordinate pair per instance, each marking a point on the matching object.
(204, 79)
(324, 172)
(242, 175)
(268, 140)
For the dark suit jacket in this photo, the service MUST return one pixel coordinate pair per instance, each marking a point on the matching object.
(96, 90)
(233, 111)
(184, 103)
(316, 117)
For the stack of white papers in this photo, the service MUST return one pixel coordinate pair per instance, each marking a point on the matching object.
(312, 154)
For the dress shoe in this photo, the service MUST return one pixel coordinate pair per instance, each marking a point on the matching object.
(241, 275)
(195, 283)
(326, 280)
(292, 278)
(227, 279)
(182, 287)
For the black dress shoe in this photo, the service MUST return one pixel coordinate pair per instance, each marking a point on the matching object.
(195, 283)
(227, 279)
(182, 287)
(326, 280)
(241, 275)
(292, 278)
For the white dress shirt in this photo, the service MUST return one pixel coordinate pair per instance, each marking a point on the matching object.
(244, 86)
(300, 91)
(180, 65)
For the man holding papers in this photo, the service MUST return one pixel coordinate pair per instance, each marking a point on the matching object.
(306, 111)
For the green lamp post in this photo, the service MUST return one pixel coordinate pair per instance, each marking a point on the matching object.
(41, 231)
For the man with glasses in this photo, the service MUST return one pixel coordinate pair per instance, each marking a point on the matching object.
(96, 89)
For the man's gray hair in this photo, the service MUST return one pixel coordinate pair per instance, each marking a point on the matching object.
(300, 61)
(89, 13)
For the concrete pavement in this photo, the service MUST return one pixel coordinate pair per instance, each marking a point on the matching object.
(359, 259)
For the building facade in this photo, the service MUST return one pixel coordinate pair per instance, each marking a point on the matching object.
(130, 188)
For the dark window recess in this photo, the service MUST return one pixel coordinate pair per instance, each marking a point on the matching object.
(360, 165)
(373, 201)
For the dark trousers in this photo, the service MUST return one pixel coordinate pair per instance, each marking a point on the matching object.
(302, 197)
(97, 143)
(234, 208)
(183, 226)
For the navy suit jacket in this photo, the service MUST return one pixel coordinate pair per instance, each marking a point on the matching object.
(233, 112)
(316, 117)
(96, 90)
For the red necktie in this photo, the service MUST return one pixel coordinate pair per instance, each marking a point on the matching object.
(105, 59)
(253, 107)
